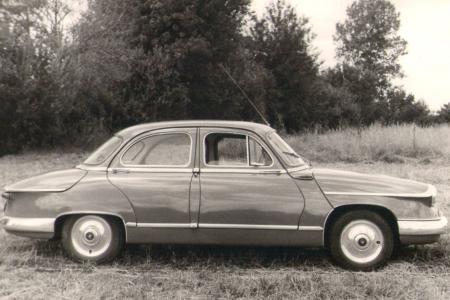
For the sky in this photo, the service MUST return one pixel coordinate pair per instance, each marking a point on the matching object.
(425, 25)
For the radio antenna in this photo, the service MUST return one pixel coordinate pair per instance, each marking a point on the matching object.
(245, 94)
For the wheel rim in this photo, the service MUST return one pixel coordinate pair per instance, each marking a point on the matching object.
(362, 241)
(91, 236)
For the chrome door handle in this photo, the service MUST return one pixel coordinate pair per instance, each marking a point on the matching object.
(196, 172)
(123, 171)
(276, 172)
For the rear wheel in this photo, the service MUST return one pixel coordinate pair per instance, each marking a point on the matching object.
(92, 238)
(361, 240)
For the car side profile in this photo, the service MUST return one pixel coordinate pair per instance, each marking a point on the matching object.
(224, 183)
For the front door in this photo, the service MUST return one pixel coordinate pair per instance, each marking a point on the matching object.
(155, 172)
(243, 185)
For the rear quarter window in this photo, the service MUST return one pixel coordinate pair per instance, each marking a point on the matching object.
(104, 151)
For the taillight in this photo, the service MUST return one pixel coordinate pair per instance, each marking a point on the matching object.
(433, 196)
(4, 202)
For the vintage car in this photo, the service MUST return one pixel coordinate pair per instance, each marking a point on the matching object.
(219, 182)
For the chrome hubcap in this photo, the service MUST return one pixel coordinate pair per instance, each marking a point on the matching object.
(362, 241)
(91, 236)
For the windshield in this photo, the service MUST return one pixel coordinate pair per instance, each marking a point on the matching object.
(105, 150)
(289, 156)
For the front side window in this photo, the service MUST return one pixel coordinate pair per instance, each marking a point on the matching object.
(230, 149)
(159, 150)
(105, 150)
(289, 156)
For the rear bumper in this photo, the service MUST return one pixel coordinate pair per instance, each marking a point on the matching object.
(29, 227)
(421, 231)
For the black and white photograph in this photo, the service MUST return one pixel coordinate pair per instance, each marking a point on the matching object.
(224, 149)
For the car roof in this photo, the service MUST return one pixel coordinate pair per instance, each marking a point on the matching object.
(132, 131)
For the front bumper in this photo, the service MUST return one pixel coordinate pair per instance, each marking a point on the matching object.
(421, 231)
(29, 227)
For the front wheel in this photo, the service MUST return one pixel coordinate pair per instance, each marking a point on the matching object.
(92, 238)
(361, 240)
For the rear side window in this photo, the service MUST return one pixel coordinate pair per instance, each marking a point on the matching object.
(104, 151)
(172, 149)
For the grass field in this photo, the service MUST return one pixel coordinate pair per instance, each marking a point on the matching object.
(39, 270)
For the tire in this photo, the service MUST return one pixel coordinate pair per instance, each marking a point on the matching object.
(361, 240)
(92, 238)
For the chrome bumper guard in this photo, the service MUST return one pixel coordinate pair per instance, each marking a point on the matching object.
(44, 225)
(423, 227)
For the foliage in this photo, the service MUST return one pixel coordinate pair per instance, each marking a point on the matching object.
(443, 114)
(369, 48)
(369, 39)
(26, 85)
(133, 61)
(282, 44)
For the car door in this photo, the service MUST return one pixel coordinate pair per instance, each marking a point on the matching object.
(243, 185)
(155, 172)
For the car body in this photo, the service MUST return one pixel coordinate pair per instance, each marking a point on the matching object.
(219, 182)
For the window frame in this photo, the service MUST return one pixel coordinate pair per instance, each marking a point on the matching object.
(247, 138)
(188, 164)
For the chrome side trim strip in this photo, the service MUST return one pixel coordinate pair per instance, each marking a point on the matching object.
(313, 228)
(247, 226)
(162, 225)
(424, 227)
(419, 220)
(9, 189)
(152, 170)
(28, 224)
(430, 192)
(91, 168)
(296, 169)
(243, 171)
(221, 226)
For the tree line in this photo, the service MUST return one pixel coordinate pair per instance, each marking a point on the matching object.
(132, 61)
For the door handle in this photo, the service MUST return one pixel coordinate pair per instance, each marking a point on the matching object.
(196, 172)
(122, 171)
(276, 172)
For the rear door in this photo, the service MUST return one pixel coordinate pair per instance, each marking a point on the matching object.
(155, 172)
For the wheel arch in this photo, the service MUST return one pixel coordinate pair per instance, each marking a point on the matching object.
(61, 218)
(338, 211)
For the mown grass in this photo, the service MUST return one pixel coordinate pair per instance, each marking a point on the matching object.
(40, 270)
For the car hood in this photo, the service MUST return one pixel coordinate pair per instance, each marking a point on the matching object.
(56, 181)
(344, 182)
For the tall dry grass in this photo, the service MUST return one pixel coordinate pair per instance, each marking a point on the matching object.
(375, 143)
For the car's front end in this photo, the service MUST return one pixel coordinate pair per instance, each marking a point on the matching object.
(413, 204)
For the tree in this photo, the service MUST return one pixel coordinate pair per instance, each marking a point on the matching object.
(23, 75)
(190, 41)
(150, 60)
(281, 43)
(369, 39)
(369, 48)
(403, 108)
(443, 114)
